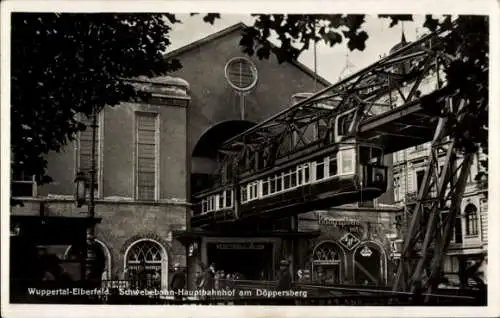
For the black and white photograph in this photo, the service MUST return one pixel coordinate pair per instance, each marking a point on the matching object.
(225, 159)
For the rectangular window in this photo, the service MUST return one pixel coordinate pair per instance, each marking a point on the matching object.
(420, 179)
(244, 194)
(306, 174)
(221, 201)
(299, 176)
(293, 179)
(273, 185)
(347, 160)
(444, 216)
(229, 198)
(204, 206)
(286, 181)
(320, 170)
(84, 153)
(23, 185)
(146, 148)
(279, 183)
(265, 187)
(333, 166)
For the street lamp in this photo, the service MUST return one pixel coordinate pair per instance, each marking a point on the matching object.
(81, 184)
(80, 189)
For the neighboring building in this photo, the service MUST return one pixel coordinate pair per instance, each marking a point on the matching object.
(470, 237)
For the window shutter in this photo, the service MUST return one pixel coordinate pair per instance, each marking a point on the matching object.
(146, 156)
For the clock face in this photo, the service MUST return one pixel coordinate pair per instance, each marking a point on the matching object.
(241, 74)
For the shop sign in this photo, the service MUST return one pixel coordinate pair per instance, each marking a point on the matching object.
(240, 246)
(345, 224)
(349, 241)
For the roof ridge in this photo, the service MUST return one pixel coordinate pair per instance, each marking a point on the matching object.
(228, 30)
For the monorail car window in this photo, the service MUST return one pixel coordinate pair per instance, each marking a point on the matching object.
(229, 198)
(221, 201)
(306, 173)
(273, 185)
(347, 156)
(320, 170)
(243, 194)
(265, 187)
(279, 183)
(333, 170)
(286, 181)
(204, 206)
(293, 179)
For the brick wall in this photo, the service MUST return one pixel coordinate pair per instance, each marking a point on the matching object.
(123, 223)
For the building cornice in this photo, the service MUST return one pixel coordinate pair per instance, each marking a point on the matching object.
(106, 200)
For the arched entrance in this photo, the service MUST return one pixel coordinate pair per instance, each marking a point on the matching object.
(328, 263)
(205, 152)
(370, 264)
(102, 258)
(146, 264)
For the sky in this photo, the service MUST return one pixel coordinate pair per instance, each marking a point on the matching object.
(331, 61)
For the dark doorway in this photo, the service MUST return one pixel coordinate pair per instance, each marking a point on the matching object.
(253, 261)
(368, 266)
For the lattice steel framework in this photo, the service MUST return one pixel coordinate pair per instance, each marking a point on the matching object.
(393, 82)
(389, 83)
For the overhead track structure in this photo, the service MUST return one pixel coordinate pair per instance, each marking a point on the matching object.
(398, 102)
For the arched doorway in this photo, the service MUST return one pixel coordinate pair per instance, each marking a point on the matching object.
(328, 263)
(146, 264)
(205, 152)
(370, 264)
(102, 258)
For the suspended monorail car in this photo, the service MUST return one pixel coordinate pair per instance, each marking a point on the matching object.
(340, 173)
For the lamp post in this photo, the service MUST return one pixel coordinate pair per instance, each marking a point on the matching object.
(81, 185)
(89, 274)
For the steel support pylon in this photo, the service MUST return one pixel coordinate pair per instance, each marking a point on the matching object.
(428, 235)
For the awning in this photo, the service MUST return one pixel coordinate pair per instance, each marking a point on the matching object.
(52, 230)
(188, 236)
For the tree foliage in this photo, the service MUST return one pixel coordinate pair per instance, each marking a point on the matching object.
(65, 64)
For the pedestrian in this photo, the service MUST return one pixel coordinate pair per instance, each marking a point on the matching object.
(285, 280)
(178, 282)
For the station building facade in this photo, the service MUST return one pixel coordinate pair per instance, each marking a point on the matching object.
(218, 111)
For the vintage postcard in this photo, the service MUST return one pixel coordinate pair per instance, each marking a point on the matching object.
(282, 159)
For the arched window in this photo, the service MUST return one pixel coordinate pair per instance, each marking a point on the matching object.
(146, 265)
(327, 265)
(471, 220)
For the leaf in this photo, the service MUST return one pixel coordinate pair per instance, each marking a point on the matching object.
(395, 19)
(332, 38)
(211, 17)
